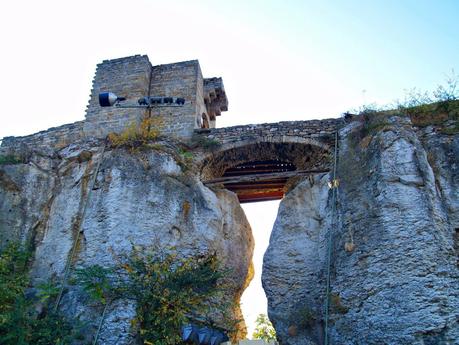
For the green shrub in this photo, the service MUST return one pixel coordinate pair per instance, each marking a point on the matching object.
(264, 329)
(169, 291)
(10, 159)
(20, 324)
(96, 281)
(203, 142)
(187, 156)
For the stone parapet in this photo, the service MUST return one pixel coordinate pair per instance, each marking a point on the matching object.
(56, 137)
(321, 131)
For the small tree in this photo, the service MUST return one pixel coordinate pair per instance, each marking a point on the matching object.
(264, 329)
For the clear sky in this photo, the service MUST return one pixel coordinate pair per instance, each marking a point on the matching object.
(280, 60)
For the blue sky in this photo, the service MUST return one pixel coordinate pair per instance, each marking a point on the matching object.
(280, 60)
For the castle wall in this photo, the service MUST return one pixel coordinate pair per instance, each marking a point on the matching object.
(182, 79)
(126, 77)
(56, 137)
(134, 77)
(201, 109)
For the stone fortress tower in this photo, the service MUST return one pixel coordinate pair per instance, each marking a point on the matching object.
(135, 77)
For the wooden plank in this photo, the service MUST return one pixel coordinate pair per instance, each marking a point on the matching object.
(274, 195)
(254, 171)
(253, 186)
(262, 164)
(262, 177)
(246, 201)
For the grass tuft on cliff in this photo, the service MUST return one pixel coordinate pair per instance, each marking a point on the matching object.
(136, 136)
(439, 109)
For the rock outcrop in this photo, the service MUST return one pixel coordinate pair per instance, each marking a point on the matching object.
(394, 273)
(394, 236)
(142, 199)
(292, 268)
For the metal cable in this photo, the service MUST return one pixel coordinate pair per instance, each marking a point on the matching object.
(334, 187)
(96, 337)
(75, 243)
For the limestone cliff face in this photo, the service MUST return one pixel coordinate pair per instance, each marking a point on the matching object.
(394, 273)
(143, 199)
(395, 236)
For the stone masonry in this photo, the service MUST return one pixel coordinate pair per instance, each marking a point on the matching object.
(134, 77)
(205, 98)
(316, 132)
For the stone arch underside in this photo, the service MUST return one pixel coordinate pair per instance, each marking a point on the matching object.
(265, 167)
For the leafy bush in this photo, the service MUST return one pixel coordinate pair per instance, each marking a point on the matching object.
(169, 291)
(187, 156)
(13, 277)
(20, 324)
(96, 281)
(10, 159)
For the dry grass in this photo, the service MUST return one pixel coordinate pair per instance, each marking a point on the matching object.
(138, 135)
(336, 304)
(435, 114)
(186, 207)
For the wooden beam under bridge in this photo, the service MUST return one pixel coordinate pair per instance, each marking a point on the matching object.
(262, 177)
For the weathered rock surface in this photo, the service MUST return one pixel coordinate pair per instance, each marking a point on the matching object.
(395, 238)
(293, 263)
(394, 265)
(142, 199)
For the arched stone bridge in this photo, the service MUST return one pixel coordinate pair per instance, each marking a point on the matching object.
(256, 161)
(316, 132)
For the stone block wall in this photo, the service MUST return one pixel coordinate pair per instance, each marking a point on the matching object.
(215, 99)
(182, 79)
(53, 138)
(316, 131)
(134, 77)
(126, 77)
